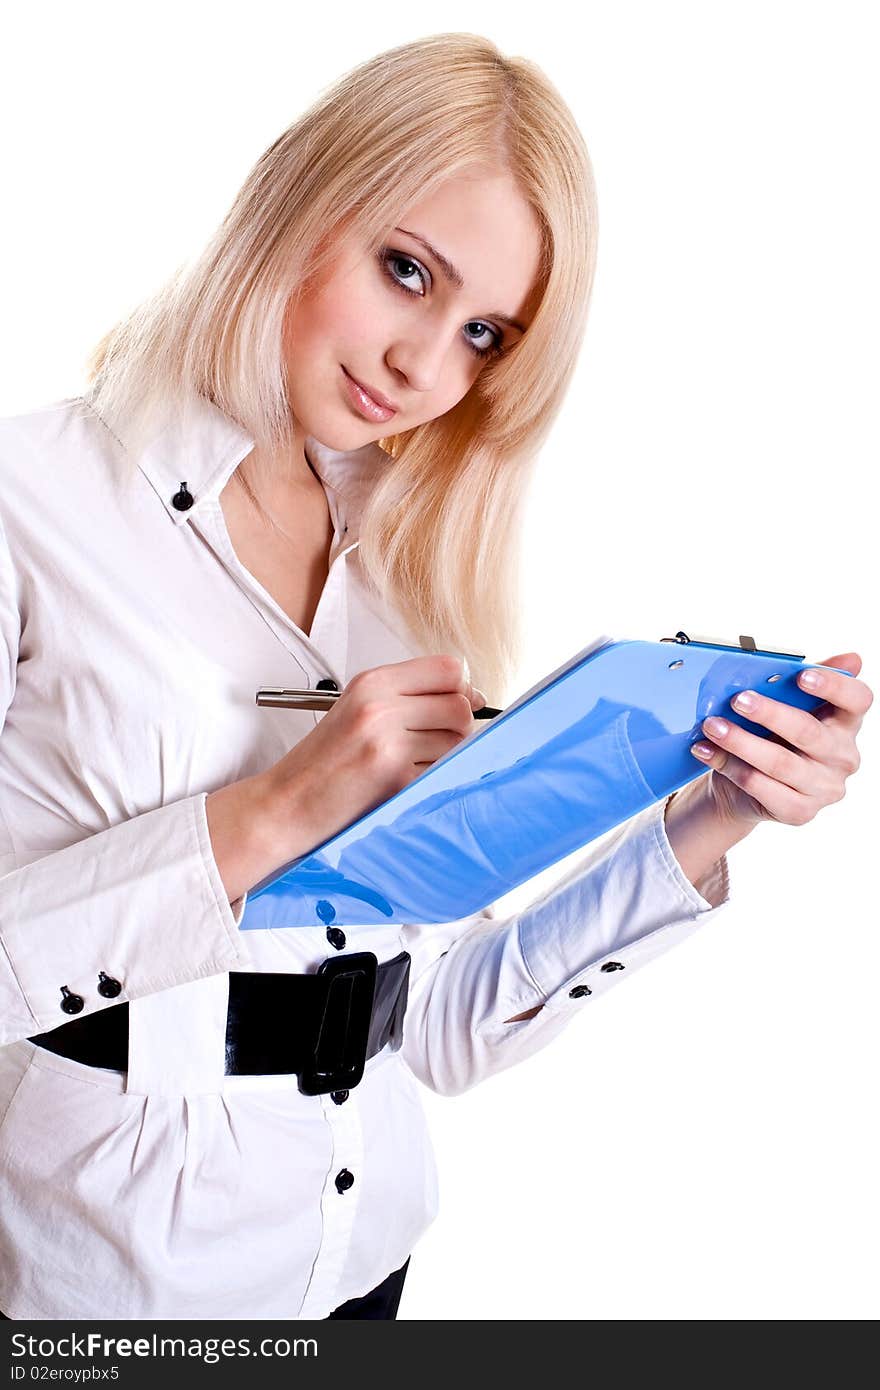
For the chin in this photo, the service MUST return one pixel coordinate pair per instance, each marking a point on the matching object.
(345, 434)
(344, 440)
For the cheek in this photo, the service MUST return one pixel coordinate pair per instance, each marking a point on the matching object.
(345, 315)
(462, 372)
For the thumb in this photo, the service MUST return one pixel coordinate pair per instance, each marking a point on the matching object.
(476, 697)
(847, 661)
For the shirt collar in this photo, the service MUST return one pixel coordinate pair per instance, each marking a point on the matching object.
(202, 450)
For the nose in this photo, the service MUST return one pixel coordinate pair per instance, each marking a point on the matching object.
(418, 361)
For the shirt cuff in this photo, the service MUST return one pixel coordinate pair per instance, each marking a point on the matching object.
(142, 901)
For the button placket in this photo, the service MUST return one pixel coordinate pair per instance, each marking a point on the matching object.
(340, 1200)
(329, 632)
(326, 649)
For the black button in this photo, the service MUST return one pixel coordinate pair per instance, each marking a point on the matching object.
(71, 1003)
(344, 1180)
(579, 991)
(182, 500)
(612, 965)
(108, 986)
(336, 937)
(338, 1097)
(326, 685)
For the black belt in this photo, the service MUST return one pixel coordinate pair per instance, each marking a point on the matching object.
(323, 1026)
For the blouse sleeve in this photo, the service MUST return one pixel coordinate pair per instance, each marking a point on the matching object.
(626, 902)
(142, 901)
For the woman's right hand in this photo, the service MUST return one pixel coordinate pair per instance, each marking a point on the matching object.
(388, 725)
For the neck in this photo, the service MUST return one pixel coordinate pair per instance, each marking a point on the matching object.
(272, 478)
(269, 499)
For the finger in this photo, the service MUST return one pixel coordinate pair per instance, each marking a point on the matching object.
(475, 697)
(847, 661)
(426, 675)
(775, 762)
(798, 727)
(781, 801)
(430, 744)
(845, 693)
(451, 712)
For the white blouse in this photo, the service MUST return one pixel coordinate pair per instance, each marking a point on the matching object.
(132, 641)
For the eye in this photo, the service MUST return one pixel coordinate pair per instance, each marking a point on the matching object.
(389, 258)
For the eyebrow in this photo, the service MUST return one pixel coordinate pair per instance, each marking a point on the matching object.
(456, 278)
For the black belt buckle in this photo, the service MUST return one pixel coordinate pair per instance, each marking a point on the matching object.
(343, 1024)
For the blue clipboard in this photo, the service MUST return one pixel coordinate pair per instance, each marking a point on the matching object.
(589, 746)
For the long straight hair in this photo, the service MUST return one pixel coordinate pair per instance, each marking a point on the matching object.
(441, 531)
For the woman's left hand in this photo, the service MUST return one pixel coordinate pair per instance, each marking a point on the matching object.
(804, 766)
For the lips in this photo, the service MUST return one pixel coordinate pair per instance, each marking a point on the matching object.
(367, 399)
(374, 395)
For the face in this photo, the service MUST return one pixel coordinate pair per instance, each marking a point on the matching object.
(401, 325)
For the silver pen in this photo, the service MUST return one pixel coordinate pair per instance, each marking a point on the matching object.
(324, 699)
(297, 699)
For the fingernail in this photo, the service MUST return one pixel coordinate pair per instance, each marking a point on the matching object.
(809, 678)
(702, 750)
(481, 698)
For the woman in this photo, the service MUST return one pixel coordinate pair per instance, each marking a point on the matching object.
(303, 462)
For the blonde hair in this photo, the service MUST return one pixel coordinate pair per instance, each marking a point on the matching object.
(440, 534)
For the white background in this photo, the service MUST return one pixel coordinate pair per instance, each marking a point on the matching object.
(700, 1144)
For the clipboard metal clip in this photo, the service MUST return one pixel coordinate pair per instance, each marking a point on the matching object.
(742, 644)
